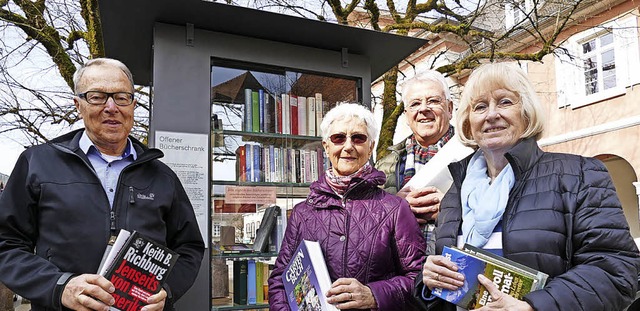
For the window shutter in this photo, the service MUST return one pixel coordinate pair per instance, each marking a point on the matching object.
(627, 56)
(568, 75)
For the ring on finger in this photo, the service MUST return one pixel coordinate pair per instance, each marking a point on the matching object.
(437, 277)
(350, 296)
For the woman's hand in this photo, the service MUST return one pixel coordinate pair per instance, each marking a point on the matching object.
(348, 293)
(438, 271)
(500, 300)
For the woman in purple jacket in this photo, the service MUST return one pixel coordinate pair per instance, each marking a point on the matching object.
(370, 239)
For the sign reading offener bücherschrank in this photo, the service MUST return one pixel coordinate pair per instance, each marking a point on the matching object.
(187, 155)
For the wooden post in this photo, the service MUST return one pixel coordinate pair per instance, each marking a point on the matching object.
(6, 298)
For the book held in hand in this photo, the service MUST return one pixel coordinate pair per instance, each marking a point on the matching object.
(510, 277)
(137, 268)
(306, 279)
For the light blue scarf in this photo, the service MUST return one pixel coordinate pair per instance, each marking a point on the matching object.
(483, 203)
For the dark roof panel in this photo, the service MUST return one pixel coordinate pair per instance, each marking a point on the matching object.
(128, 30)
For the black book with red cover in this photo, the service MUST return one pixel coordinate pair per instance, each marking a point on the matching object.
(138, 271)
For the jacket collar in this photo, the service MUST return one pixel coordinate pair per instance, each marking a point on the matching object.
(322, 196)
(522, 157)
(71, 141)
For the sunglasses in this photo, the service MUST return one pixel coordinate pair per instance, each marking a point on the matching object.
(356, 139)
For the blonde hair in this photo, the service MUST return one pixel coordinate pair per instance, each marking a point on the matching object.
(493, 76)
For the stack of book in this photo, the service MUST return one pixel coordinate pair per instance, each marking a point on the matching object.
(283, 114)
(509, 276)
(250, 285)
(257, 163)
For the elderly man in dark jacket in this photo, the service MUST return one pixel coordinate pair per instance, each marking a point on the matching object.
(65, 199)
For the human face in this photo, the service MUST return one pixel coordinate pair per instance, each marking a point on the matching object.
(430, 120)
(496, 121)
(348, 157)
(106, 125)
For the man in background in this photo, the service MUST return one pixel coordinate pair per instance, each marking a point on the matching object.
(67, 198)
(428, 109)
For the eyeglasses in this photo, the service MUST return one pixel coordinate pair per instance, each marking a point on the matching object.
(340, 138)
(100, 98)
(432, 104)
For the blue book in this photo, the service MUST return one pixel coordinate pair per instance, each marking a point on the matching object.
(251, 282)
(306, 279)
(249, 162)
(510, 277)
(255, 168)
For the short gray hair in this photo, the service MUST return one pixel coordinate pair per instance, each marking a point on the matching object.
(100, 62)
(424, 77)
(345, 111)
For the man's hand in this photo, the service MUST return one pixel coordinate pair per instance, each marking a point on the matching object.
(88, 292)
(156, 302)
(424, 202)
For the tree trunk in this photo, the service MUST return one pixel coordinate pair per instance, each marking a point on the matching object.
(391, 112)
(6, 298)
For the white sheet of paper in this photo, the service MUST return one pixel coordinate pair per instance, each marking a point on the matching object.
(436, 172)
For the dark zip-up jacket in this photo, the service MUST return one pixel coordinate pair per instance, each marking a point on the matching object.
(563, 217)
(369, 235)
(392, 165)
(54, 205)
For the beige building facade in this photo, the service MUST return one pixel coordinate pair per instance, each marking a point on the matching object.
(590, 91)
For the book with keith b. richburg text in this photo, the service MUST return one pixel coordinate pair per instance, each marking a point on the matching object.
(510, 277)
(138, 267)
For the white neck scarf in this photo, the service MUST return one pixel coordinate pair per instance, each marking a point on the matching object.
(483, 203)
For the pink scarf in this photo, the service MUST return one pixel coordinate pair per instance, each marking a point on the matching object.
(340, 184)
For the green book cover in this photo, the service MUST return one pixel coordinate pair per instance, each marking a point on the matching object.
(240, 269)
(259, 281)
(255, 111)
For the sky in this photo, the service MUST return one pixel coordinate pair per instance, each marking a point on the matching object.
(36, 72)
(9, 153)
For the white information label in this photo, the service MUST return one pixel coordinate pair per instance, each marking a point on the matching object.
(187, 155)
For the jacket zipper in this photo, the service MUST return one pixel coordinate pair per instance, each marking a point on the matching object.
(112, 214)
(346, 236)
(397, 170)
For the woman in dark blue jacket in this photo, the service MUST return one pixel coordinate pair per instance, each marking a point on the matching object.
(557, 213)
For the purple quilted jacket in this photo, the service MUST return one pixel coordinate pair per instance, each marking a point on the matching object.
(368, 235)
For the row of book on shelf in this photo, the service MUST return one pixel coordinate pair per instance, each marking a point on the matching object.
(306, 279)
(250, 285)
(283, 114)
(256, 163)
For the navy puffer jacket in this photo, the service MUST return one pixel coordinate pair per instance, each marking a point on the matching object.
(368, 235)
(564, 218)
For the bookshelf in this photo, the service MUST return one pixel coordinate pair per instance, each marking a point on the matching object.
(266, 150)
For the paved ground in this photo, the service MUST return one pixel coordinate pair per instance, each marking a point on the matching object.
(19, 306)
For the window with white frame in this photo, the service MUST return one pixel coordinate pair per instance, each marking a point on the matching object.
(216, 231)
(516, 11)
(598, 63)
